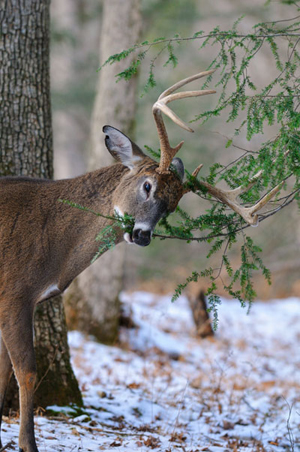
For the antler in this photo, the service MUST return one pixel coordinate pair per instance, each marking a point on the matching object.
(160, 106)
(229, 197)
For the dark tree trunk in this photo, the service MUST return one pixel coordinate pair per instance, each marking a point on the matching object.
(56, 381)
(26, 149)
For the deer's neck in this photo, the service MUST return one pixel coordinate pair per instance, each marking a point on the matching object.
(94, 190)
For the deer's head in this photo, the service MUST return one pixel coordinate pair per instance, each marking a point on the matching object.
(143, 192)
(150, 190)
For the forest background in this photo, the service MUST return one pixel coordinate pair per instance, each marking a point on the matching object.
(84, 34)
(76, 31)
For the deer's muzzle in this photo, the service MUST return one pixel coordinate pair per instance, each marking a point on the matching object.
(141, 237)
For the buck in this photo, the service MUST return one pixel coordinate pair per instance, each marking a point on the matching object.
(45, 244)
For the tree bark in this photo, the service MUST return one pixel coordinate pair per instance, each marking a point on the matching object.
(93, 302)
(26, 149)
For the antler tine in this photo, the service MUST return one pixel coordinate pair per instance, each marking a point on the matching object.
(185, 81)
(160, 106)
(229, 197)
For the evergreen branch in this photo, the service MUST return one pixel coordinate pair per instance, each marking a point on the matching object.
(223, 35)
(258, 171)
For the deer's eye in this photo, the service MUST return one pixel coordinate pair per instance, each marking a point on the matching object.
(147, 187)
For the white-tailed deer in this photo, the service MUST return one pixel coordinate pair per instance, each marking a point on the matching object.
(45, 244)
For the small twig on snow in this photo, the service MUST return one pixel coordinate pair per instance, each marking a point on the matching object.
(11, 443)
(288, 426)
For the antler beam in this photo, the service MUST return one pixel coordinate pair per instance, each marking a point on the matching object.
(229, 197)
(160, 106)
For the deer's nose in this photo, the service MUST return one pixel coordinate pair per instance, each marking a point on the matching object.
(141, 237)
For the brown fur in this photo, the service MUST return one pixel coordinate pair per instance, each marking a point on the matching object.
(44, 242)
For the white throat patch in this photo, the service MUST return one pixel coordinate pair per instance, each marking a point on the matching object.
(118, 211)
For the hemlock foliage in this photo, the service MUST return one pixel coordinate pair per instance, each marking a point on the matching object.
(278, 159)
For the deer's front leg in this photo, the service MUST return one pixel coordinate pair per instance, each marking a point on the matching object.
(5, 374)
(18, 337)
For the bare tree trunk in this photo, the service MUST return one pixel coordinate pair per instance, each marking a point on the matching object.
(115, 102)
(74, 49)
(93, 301)
(200, 315)
(26, 149)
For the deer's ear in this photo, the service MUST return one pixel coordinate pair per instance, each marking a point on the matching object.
(179, 167)
(121, 147)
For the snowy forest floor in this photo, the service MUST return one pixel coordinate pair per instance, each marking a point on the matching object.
(162, 388)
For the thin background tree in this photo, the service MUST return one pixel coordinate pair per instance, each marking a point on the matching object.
(92, 301)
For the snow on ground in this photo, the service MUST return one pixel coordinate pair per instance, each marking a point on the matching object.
(164, 389)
